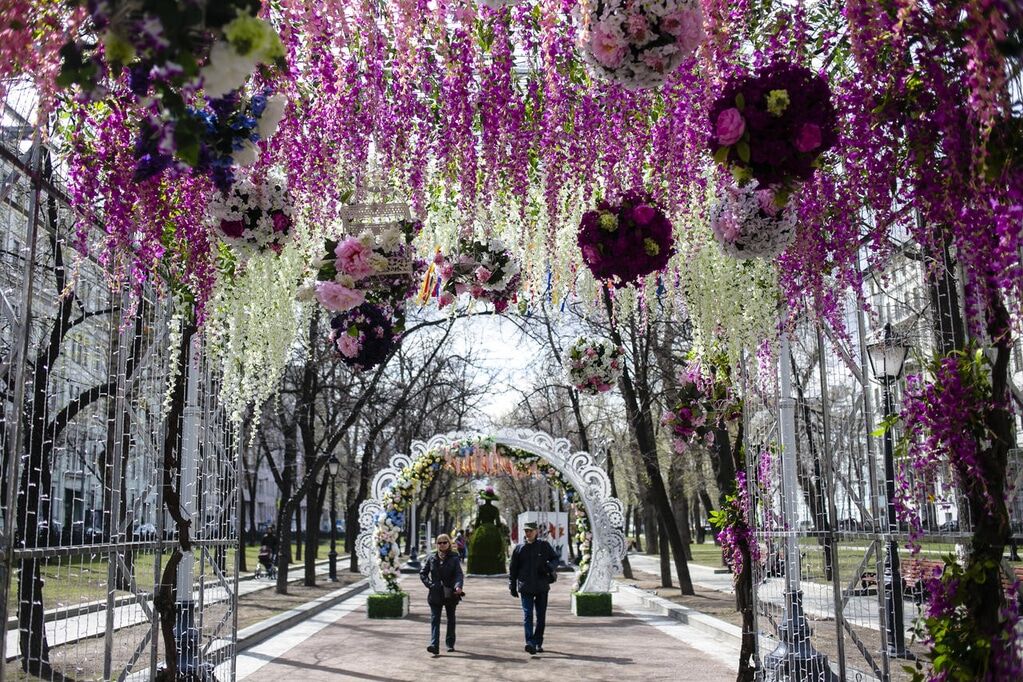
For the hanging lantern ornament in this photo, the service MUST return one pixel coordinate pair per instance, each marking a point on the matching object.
(639, 43)
(749, 223)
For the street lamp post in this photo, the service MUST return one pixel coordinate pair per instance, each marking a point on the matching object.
(887, 356)
(332, 466)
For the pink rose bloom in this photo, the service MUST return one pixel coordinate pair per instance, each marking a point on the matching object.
(643, 214)
(282, 223)
(483, 275)
(438, 258)
(655, 62)
(637, 28)
(730, 126)
(353, 258)
(607, 46)
(603, 388)
(338, 298)
(445, 299)
(476, 291)
(500, 305)
(687, 27)
(808, 138)
(233, 228)
(729, 227)
(348, 345)
(765, 199)
(461, 288)
(447, 270)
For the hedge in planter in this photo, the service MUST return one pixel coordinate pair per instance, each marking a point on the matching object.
(591, 603)
(488, 546)
(386, 605)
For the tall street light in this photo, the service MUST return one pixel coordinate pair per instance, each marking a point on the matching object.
(887, 356)
(332, 466)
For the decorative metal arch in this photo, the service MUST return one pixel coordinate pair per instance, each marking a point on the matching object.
(607, 520)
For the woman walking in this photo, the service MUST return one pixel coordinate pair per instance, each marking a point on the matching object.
(442, 575)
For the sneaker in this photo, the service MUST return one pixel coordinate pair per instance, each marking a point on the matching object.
(530, 649)
(539, 649)
(432, 649)
(450, 649)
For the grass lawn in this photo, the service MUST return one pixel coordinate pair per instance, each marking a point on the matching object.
(83, 578)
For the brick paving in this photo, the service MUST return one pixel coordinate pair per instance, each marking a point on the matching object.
(490, 645)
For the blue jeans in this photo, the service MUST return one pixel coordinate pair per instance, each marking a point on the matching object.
(449, 638)
(531, 603)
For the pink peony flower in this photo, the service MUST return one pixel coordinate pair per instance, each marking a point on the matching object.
(483, 275)
(637, 28)
(607, 46)
(643, 214)
(808, 138)
(500, 305)
(730, 126)
(765, 199)
(687, 27)
(445, 299)
(476, 291)
(729, 227)
(656, 63)
(338, 298)
(461, 288)
(447, 270)
(233, 228)
(282, 223)
(353, 258)
(438, 258)
(348, 345)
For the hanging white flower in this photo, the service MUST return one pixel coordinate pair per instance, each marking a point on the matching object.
(253, 217)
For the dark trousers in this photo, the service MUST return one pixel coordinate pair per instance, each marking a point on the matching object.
(534, 603)
(449, 637)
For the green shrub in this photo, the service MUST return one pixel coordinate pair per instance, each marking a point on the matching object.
(386, 605)
(592, 603)
(488, 550)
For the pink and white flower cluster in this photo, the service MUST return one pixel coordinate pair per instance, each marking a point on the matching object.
(594, 365)
(749, 223)
(485, 271)
(252, 216)
(359, 269)
(638, 43)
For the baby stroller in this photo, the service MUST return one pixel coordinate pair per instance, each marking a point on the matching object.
(267, 563)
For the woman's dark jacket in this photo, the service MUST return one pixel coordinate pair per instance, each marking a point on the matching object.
(533, 565)
(438, 573)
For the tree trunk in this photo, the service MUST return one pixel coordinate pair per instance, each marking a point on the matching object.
(314, 511)
(636, 527)
(650, 527)
(662, 541)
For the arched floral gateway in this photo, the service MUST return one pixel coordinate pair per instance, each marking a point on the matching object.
(600, 520)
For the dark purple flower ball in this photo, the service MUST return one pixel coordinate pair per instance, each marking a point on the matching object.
(627, 241)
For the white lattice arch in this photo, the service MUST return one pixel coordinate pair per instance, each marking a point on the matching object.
(607, 520)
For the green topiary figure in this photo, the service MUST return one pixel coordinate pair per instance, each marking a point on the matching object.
(488, 546)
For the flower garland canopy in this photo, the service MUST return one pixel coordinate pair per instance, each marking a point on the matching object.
(494, 121)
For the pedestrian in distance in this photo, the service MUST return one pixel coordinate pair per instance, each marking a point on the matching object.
(442, 575)
(461, 544)
(534, 565)
(268, 553)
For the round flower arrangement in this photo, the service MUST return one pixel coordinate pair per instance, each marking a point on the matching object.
(252, 216)
(773, 126)
(704, 404)
(748, 223)
(593, 365)
(213, 46)
(487, 272)
(638, 43)
(378, 268)
(364, 336)
(625, 241)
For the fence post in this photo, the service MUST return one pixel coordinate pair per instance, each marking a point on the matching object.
(188, 636)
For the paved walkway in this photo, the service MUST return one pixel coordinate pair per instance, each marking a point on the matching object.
(342, 644)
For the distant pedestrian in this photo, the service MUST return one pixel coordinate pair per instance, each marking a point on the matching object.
(534, 565)
(460, 544)
(268, 552)
(442, 575)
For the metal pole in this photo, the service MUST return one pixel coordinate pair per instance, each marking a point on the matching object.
(795, 657)
(895, 630)
(187, 634)
(333, 530)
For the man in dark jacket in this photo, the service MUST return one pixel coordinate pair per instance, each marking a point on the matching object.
(442, 575)
(533, 568)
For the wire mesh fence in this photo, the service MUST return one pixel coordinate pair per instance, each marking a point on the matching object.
(87, 370)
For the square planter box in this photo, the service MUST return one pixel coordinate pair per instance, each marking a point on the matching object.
(387, 605)
(591, 603)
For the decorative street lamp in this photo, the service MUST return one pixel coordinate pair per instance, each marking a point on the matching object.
(887, 356)
(332, 466)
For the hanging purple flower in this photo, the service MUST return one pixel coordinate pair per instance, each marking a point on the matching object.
(364, 336)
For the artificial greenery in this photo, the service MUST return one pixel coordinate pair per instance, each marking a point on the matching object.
(488, 546)
(592, 603)
(386, 605)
